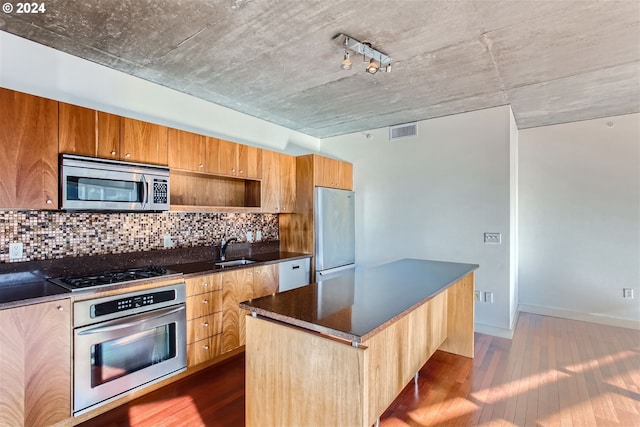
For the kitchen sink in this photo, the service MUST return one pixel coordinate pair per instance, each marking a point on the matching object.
(234, 263)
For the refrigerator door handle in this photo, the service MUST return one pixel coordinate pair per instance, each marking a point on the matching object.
(336, 270)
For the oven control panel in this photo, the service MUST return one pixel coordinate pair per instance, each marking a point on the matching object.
(131, 302)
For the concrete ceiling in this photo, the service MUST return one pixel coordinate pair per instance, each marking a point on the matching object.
(553, 61)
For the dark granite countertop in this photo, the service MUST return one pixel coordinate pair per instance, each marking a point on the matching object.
(357, 305)
(26, 283)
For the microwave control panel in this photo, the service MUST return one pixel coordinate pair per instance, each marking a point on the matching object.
(160, 190)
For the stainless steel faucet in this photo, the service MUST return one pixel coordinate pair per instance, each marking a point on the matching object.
(223, 246)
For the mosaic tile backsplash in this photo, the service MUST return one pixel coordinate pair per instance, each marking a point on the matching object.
(51, 234)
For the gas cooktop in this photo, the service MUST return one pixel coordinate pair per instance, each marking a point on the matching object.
(106, 278)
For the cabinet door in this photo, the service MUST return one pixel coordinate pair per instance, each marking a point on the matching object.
(143, 142)
(203, 284)
(249, 162)
(77, 130)
(325, 171)
(237, 286)
(186, 150)
(270, 188)
(29, 174)
(108, 136)
(287, 183)
(345, 176)
(35, 364)
(211, 152)
(228, 157)
(265, 280)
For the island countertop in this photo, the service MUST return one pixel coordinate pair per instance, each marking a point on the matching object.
(356, 305)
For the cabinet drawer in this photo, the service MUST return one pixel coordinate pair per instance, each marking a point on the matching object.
(202, 284)
(204, 350)
(204, 304)
(204, 327)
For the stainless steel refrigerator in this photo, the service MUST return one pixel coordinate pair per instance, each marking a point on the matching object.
(334, 219)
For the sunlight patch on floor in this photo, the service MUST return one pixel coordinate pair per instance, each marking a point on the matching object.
(595, 363)
(459, 407)
(140, 411)
(506, 391)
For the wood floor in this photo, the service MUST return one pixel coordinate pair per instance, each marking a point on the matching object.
(555, 372)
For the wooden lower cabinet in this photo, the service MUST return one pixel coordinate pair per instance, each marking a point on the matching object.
(241, 285)
(35, 364)
(204, 318)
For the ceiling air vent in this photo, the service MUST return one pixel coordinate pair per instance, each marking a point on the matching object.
(403, 131)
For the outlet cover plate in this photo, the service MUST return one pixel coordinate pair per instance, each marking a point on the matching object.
(15, 251)
(167, 241)
(493, 238)
(627, 293)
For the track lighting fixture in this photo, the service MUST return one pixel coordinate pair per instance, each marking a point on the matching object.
(376, 58)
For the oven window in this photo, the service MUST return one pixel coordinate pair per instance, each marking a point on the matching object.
(104, 190)
(119, 357)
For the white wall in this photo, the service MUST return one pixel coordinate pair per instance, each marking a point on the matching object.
(580, 219)
(39, 70)
(435, 195)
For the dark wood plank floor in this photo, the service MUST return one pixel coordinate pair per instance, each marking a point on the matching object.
(555, 372)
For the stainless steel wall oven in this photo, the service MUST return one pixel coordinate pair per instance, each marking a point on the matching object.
(124, 342)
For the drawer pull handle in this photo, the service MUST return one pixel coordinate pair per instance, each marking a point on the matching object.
(295, 267)
(205, 284)
(206, 347)
(60, 308)
(205, 324)
(205, 301)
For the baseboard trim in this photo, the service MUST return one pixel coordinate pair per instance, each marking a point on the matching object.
(492, 330)
(575, 315)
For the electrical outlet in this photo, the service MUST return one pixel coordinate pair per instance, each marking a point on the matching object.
(488, 297)
(627, 293)
(249, 236)
(495, 238)
(15, 251)
(258, 235)
(167, 241)
(477, 296)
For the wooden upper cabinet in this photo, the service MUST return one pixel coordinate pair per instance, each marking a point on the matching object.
(239, 160)
(332, 173)
(186, 150)
(29, 138)
(77, 132)
(143, 142)
(278, 182)
(249, 162)
(108, 136)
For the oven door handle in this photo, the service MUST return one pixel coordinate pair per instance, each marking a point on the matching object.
(126, 323)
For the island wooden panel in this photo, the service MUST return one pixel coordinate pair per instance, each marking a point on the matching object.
(297, 377)
(460, 315)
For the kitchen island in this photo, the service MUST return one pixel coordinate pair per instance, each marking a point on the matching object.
(338, 352)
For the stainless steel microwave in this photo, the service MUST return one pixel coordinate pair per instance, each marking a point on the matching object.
(89, 184)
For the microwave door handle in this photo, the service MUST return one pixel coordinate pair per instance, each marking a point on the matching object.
(145, 190)
(116, 325)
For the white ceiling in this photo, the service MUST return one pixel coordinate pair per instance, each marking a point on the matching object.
(553, 61)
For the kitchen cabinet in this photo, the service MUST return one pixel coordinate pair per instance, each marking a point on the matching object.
(239, 160)
(278, 182)
(108, 136)
(193, 152)
(204, 318)
(35, 364)
(143, 142)
(77, 133)
(29, 135)
(241, 285)
(332, 173)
